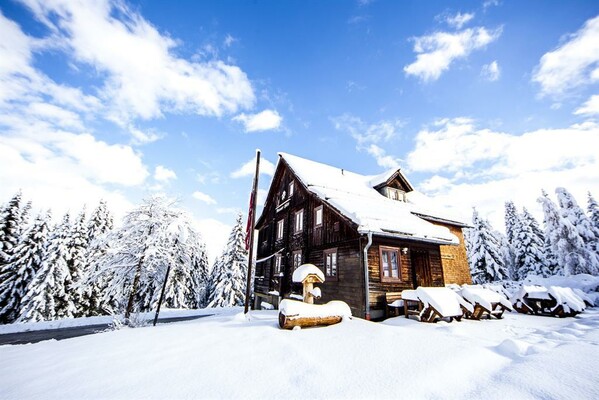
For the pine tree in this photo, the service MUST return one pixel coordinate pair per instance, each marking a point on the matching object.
(538, 239)
(228, 281)
(529, 248)
(27, 261)
(485, 259)
(593, 210)
(77, 261)
(99, 225)
(570, 210)
(47, 295)
(565, 246)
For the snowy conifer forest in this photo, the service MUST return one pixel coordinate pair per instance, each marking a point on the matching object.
(567, 242)
(83, 266)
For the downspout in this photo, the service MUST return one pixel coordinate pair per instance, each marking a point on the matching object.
(366, 282)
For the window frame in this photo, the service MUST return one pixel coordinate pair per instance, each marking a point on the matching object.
(278, 265)
(294, 254)
(390, 278)
(291, 188)
(326, 253)
(280, 229)
(316, 210)
(301, 221)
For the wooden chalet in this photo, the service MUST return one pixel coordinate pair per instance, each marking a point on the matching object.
(370, 235)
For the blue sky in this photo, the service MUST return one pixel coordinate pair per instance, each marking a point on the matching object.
(478, 102)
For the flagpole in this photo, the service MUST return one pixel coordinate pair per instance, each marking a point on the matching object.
(252, 222)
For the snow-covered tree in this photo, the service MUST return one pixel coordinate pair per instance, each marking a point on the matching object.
(571, 211)
(26, 262)
(11, 227)
(100, 224)
(565, 246)
(485, 258)
(229, 274)
(529, 247)
(77, 261)
(152, 237)
(47, 295)
(593, 209)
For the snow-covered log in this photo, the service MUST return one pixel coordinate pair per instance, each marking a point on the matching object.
(296, 313)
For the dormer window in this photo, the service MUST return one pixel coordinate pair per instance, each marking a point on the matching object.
(396, 194)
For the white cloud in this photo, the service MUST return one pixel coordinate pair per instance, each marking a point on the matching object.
(215, 235)
(263, 121)
(228, 210)
(203, 197)
(368, 137)
(249, 168)
(491, 71)
(590, 107)
(458, 20)
(143, 76)
(484, 168)
(437, 51)
(572, 64)
(164, 174)
(229, 40)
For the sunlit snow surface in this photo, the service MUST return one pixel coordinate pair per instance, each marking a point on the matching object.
(229, 356)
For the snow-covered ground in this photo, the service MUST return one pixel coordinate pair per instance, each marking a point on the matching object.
(227, 356)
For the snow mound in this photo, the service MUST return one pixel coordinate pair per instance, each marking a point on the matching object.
(303, 271)
(514, 348)
(291, 308)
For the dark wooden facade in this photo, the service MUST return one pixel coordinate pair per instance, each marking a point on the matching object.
(419, 263)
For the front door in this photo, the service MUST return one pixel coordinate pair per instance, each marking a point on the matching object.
(421, 268)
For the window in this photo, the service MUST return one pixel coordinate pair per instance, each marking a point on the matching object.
(299, 221)
(278, 264)
(330, 264)
(389, 264)
(280, 228)
(297, 259)
(318, 216)
(291, 188)
(396, 194)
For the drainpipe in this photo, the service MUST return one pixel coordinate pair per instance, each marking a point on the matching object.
(366, 282)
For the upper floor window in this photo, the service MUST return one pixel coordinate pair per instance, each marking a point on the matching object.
(299, 221)
(330, 264)
(318, 216)
(280, 228)
(291, 188)
(389, 264)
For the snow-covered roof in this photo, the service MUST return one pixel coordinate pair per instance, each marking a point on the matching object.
(354, 196)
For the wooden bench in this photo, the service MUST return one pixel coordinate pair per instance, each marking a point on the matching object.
(392, 310)
(480, 312)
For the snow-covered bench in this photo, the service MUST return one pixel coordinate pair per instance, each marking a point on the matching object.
(485, 301)
(429, 304)
(555, 301)
(394, 303)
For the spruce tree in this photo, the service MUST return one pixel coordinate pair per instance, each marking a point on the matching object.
(47, 296)
(571, 211)
(77, 261)
(593, 210)
(230, 272)
(27, 261)
(99, 225)
(529, 248)
(565, 246)
(485, 258)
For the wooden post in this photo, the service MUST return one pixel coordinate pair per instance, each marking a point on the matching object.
(168, 270)
(253, 201)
